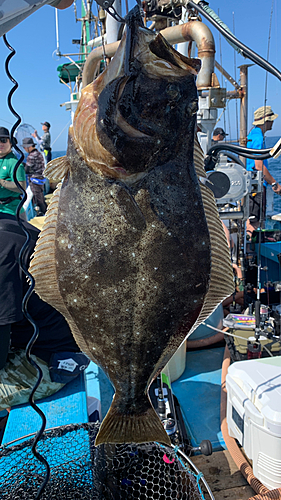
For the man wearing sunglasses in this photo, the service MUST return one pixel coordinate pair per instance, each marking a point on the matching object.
(10, 194)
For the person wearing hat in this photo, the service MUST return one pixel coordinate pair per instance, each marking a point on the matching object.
(10, 194)
(218, 135)
(44, 141)
(263, 121)
(34, 168)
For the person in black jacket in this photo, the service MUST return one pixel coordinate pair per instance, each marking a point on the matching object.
(55, 350)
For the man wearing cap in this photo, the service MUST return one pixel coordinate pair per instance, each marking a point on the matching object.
(44, 141)
(34, 168)
(9, 191)
(263, 121)
(218, 135)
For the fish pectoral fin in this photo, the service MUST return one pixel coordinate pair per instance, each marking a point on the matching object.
(57, 168)
(122, 428)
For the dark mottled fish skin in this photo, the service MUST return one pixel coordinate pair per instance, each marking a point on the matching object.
(133, 267)
(130, 254)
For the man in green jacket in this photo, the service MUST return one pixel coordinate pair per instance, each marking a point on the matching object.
(9, 191)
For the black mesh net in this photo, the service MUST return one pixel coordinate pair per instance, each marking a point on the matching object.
(79, 470)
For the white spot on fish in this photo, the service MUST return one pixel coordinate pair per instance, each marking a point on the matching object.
(143, 279)
(69, 245)
(94, 349)
(62, 241)
(137, 333)
(105, 244)
(155, 287)
(203, 242)
(97, 284)
(94, 230)
(156, 268)
(115, 362)
(93, 198)
(75, 260)
(195, 301)
(115, 291)
(75, 300)
(86, 276)
(111, 343)
(89, 254)
(96, 315)
(90, 215)
(133, 254)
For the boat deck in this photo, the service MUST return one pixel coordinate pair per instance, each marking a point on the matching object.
(222, 475)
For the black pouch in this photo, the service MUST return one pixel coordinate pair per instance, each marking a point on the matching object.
(65, 366)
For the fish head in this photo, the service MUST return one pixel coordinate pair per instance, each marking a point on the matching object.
(144, 104)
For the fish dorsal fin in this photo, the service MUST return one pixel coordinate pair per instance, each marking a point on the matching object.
(57, 168)
(43, 267)
(221, 282)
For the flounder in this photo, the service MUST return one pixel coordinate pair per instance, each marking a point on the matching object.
(132, 251)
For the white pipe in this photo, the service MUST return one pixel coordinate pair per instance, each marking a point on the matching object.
(190, 31)
(113, 26)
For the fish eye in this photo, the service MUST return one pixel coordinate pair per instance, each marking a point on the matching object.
(192, 108)
(173, 92)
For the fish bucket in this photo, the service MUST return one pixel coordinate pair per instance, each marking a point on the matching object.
(79, 470)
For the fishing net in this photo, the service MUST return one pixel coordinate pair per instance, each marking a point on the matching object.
(79, 470)
(23, 131)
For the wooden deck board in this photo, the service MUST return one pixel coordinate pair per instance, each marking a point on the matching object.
(223, 476)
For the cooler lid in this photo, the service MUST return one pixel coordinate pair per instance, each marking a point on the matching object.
(260, 380)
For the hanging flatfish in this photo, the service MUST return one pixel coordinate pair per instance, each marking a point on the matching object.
(132, 251)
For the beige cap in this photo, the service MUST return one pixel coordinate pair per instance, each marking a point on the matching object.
(264, 114)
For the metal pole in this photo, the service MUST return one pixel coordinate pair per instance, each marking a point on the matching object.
(57, 34)
(244, 106)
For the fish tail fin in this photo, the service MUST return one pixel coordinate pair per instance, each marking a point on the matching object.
(122, 428)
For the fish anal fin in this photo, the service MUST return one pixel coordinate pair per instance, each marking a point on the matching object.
(57, 168)
(122, 428)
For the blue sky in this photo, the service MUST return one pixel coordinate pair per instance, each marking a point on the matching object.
(40, 93)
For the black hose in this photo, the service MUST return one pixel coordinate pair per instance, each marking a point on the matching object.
(253, 154)
(25, 270)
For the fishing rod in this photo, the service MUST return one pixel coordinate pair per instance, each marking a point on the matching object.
(262, 154)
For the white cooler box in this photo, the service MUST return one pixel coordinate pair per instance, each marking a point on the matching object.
(254, 414)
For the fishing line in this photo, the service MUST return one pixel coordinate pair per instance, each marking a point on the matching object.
(236, 108)
(22, 254)
(263, 191)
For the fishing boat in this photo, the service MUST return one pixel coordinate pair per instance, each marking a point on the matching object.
(218, 396)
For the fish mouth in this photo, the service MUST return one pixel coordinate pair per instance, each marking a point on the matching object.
(142, 108)
(137, 113)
